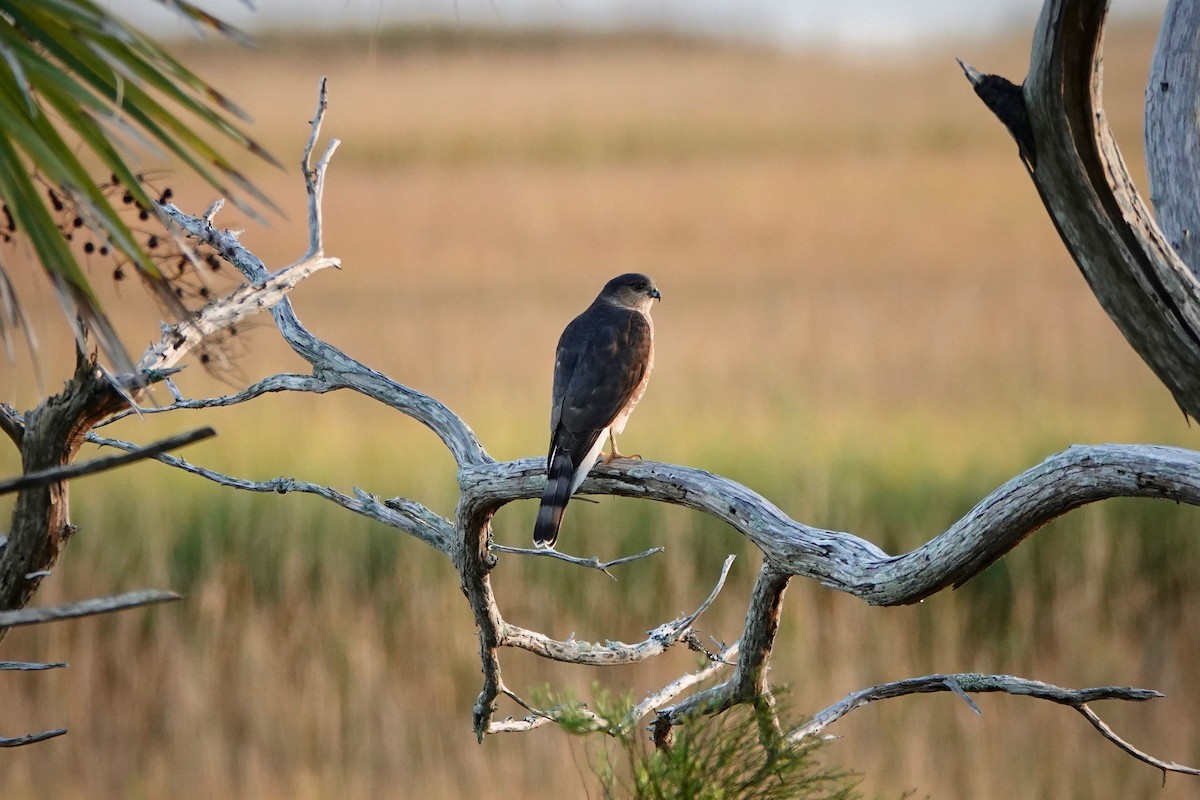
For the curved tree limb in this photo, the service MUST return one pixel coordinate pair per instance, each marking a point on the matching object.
(999, 522)
(1058, 120)
(974, 683)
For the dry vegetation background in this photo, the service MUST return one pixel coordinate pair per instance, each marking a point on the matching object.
(867, 317)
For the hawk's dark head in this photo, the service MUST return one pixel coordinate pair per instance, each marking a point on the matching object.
(632, 290)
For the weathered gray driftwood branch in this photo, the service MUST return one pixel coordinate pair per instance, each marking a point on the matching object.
(848, 563)
(965, 684)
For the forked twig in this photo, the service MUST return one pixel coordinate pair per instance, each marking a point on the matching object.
(974, 683)
(591, 563)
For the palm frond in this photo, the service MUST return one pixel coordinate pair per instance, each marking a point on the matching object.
(73, 77)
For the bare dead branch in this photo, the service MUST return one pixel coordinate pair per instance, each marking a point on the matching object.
(837, 559)
(974, 683)
(314, 177)
(748, 682)
(55, 474)
(840, 560)
(762, 625)
(511, 725)
(283, 382)
(537, 718)
(591, 563)
(575, 651)
(334, 366)
(330, 363)
(1108, 733)
(30, 666)
(85, 608)
(32, 738)
(182, 338)
(406, 515)
(657, 699)
(572, 712)
(41, 515)
(1063, 482)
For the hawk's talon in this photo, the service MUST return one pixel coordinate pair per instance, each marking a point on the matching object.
(608, 458)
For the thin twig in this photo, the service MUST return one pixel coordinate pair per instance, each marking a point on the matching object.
(85, 608)
(314, 177)
(609, 653)
(591, 563)
(31, 666)
(32, 738)
(1107, 733)
(538, 717)
(963, 683)
(283, 382)
(656, 700)
(409, 516)
(44, 477)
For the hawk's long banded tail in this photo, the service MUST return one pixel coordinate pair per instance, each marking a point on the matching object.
(601, 366)
(560, 474)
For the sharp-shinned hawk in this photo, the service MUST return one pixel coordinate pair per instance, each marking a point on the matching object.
(600, 372)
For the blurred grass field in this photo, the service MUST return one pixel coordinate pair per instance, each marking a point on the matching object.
(867, 317)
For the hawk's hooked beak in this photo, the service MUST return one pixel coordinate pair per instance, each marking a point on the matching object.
(656, 294)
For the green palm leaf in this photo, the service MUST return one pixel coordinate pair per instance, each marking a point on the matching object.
(73, 77)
